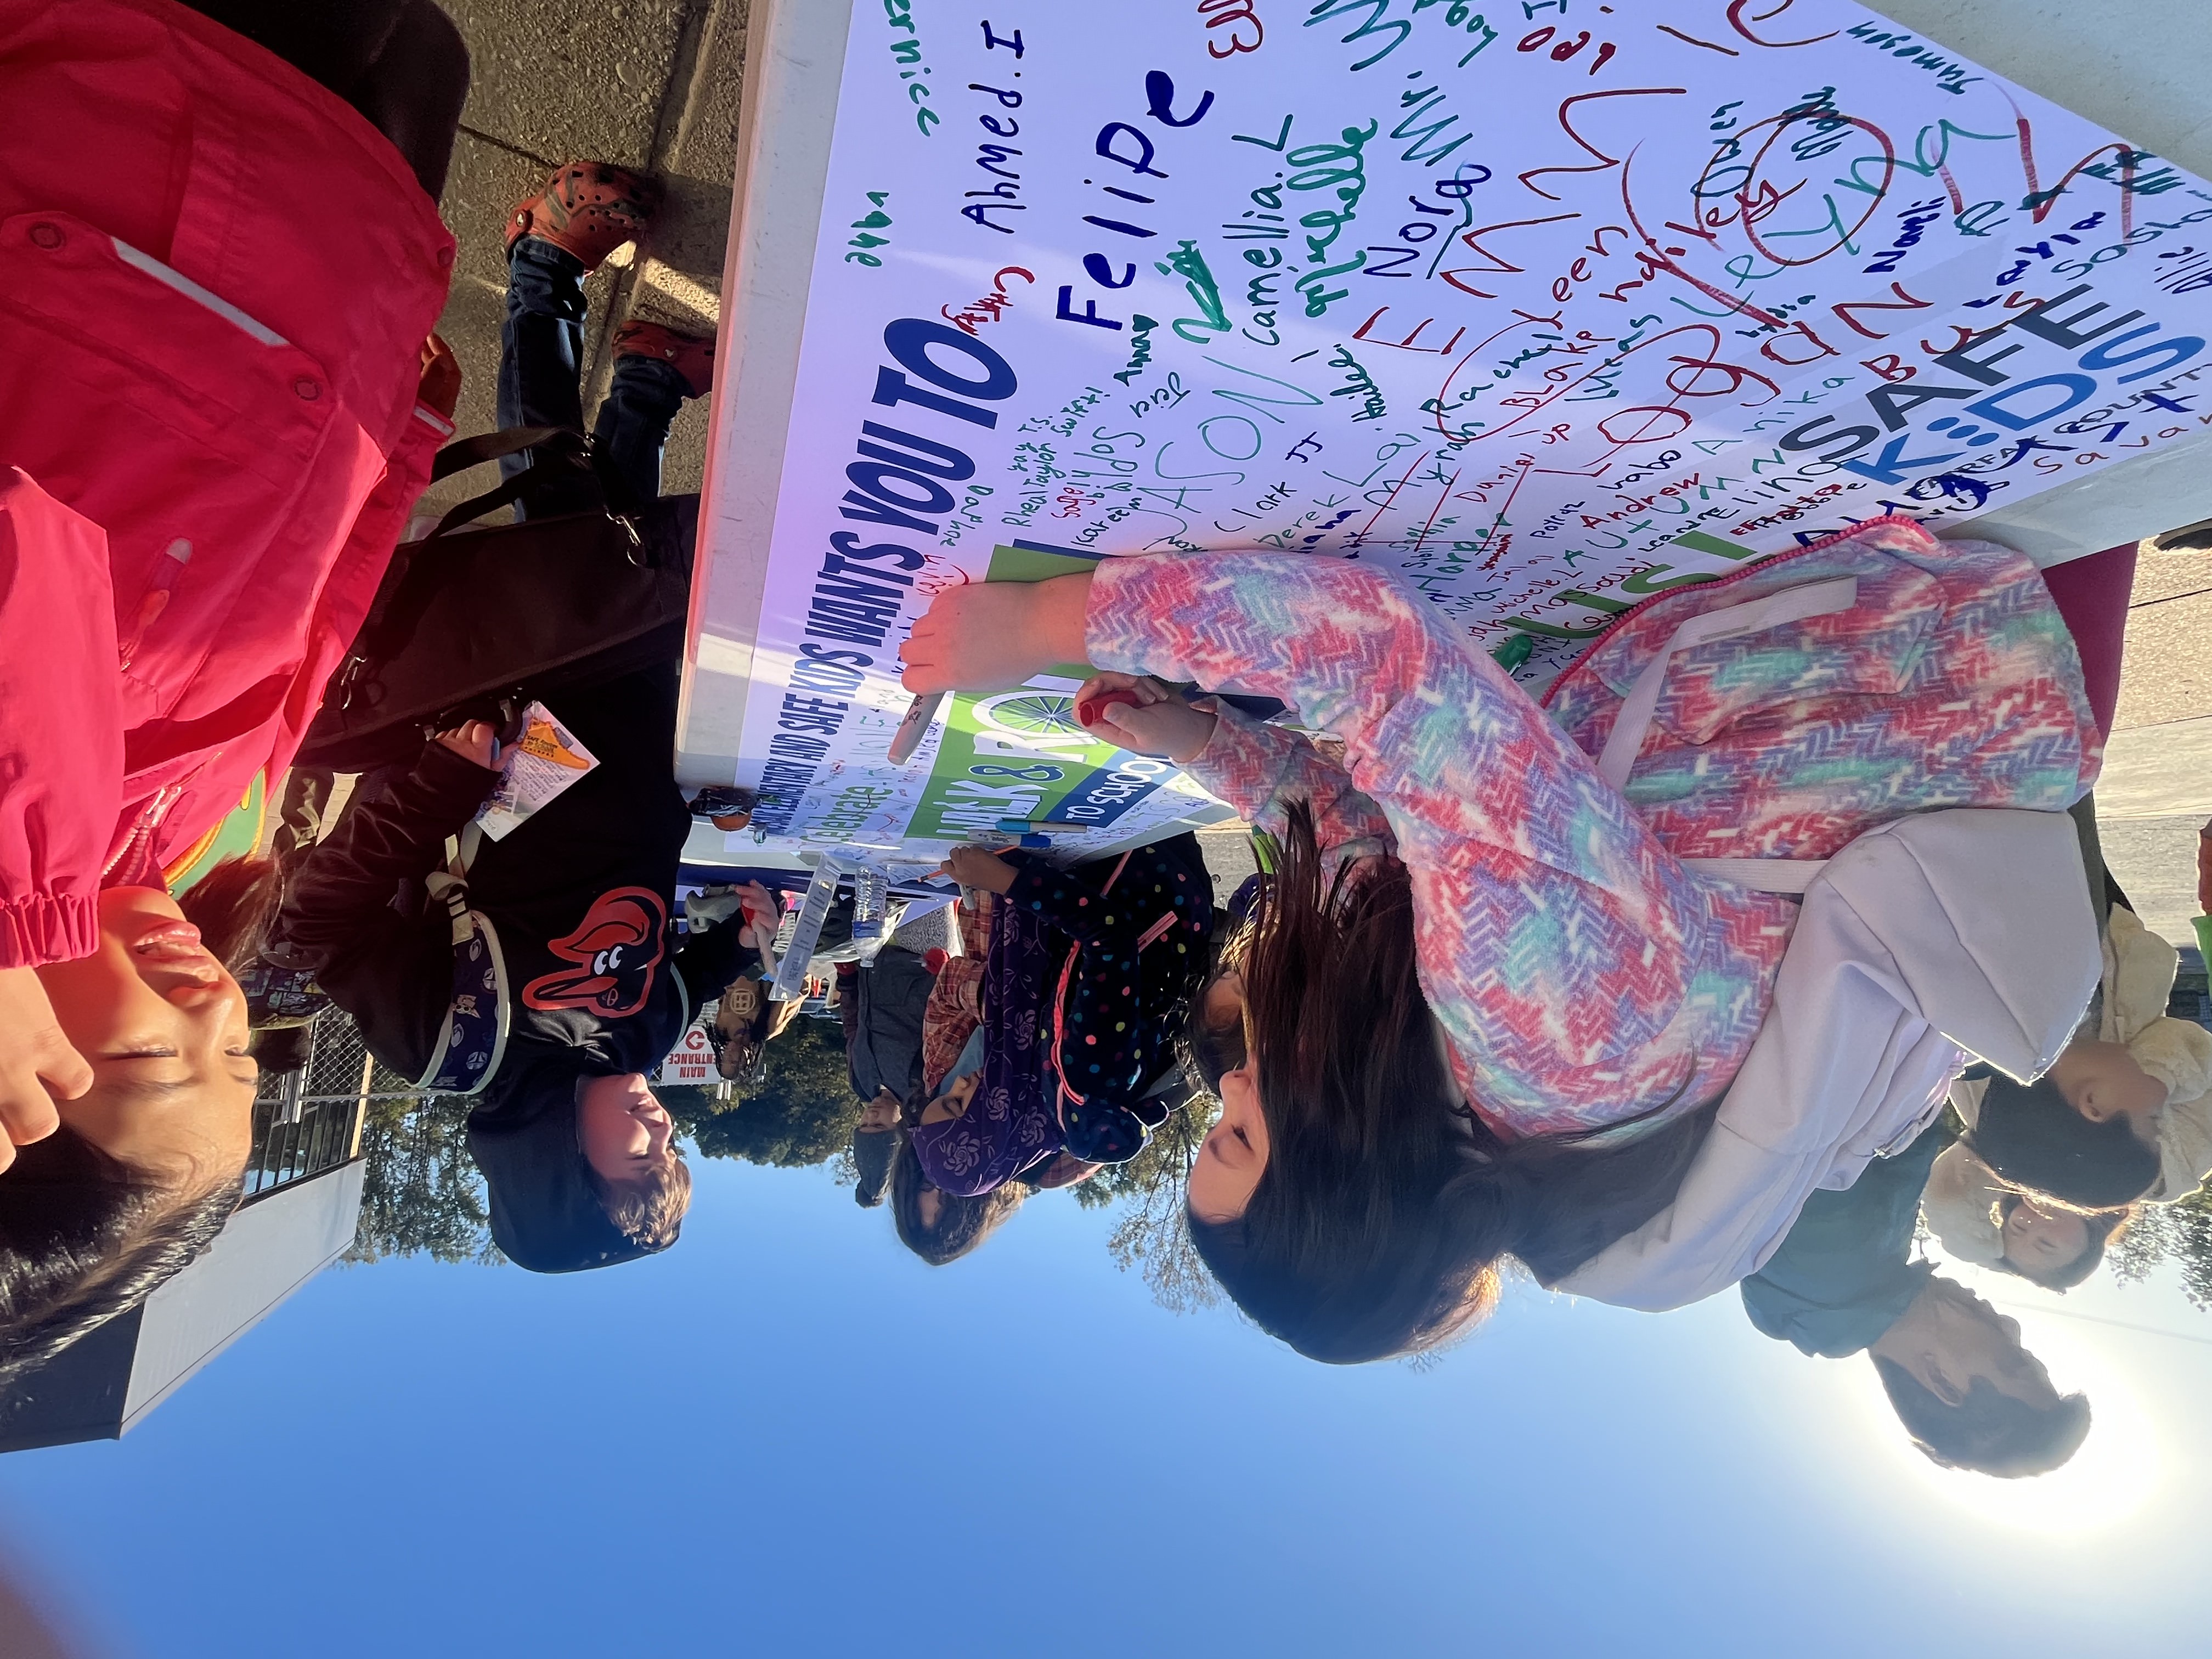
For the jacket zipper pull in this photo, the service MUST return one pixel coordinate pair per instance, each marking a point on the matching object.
(175, 557)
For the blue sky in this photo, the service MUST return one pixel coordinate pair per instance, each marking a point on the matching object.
(787, 1436)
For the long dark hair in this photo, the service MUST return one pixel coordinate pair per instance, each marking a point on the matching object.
(233, 905)
(85, 1237)
(2034, 1138)
(1989, 1431)
(961, 1223)
(1378, 1224)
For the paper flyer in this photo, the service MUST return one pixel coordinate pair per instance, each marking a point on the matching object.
(547, 760)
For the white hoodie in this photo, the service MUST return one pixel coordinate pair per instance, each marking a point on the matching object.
(1933, 940)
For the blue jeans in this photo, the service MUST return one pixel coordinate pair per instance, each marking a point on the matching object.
(541, 383)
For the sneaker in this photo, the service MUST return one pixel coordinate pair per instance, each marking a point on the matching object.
(691, 355)
(588, 209)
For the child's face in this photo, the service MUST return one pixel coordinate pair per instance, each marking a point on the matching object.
(953, 1103)
(881, 1114)
(625, 1129)
(1234, 1155)
(2042, 1242)
(2101, 1080)
(163, 1024)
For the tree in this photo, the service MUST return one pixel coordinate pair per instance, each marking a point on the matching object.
(2179, 1233)
(420, 1193)
(802, 1115)
(1152, 1235)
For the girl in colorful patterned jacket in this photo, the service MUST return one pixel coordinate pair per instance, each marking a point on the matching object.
(1489, 1007)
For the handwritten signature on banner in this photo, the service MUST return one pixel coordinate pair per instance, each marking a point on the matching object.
(1540, 305)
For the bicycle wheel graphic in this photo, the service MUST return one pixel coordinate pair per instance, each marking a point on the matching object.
(1033, 714)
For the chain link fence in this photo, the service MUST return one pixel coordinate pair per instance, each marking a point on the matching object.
(309, 1121)
(420, 1193)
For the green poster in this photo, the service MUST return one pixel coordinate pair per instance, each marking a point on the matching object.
(1019, 757)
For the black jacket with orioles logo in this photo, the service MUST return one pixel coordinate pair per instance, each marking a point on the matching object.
(581, 894)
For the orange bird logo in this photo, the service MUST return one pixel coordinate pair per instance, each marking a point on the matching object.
(615, 949)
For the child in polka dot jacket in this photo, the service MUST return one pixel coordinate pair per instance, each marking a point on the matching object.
(1127, 945)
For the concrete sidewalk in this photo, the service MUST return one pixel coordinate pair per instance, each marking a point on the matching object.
(650, 84)
(2156, 792)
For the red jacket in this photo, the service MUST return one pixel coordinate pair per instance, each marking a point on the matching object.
(216, 278)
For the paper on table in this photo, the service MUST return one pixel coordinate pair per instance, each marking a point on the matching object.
(547, 760)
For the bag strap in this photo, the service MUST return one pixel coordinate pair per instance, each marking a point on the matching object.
(479, 1016)
(473, 1040)
(465, 453)
(1763, 875)
(553, 449)
(509, 489)
(1640, 707)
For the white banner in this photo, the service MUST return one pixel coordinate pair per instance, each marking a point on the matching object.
(1544, 307)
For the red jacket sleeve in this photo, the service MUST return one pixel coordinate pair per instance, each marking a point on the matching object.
(61, 726)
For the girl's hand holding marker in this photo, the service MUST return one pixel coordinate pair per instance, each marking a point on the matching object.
(1143, 714)
(989, 636)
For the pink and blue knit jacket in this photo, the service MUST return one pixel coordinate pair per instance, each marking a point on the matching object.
(1582, 974)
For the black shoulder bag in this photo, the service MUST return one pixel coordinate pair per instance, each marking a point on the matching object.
(468, 618)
